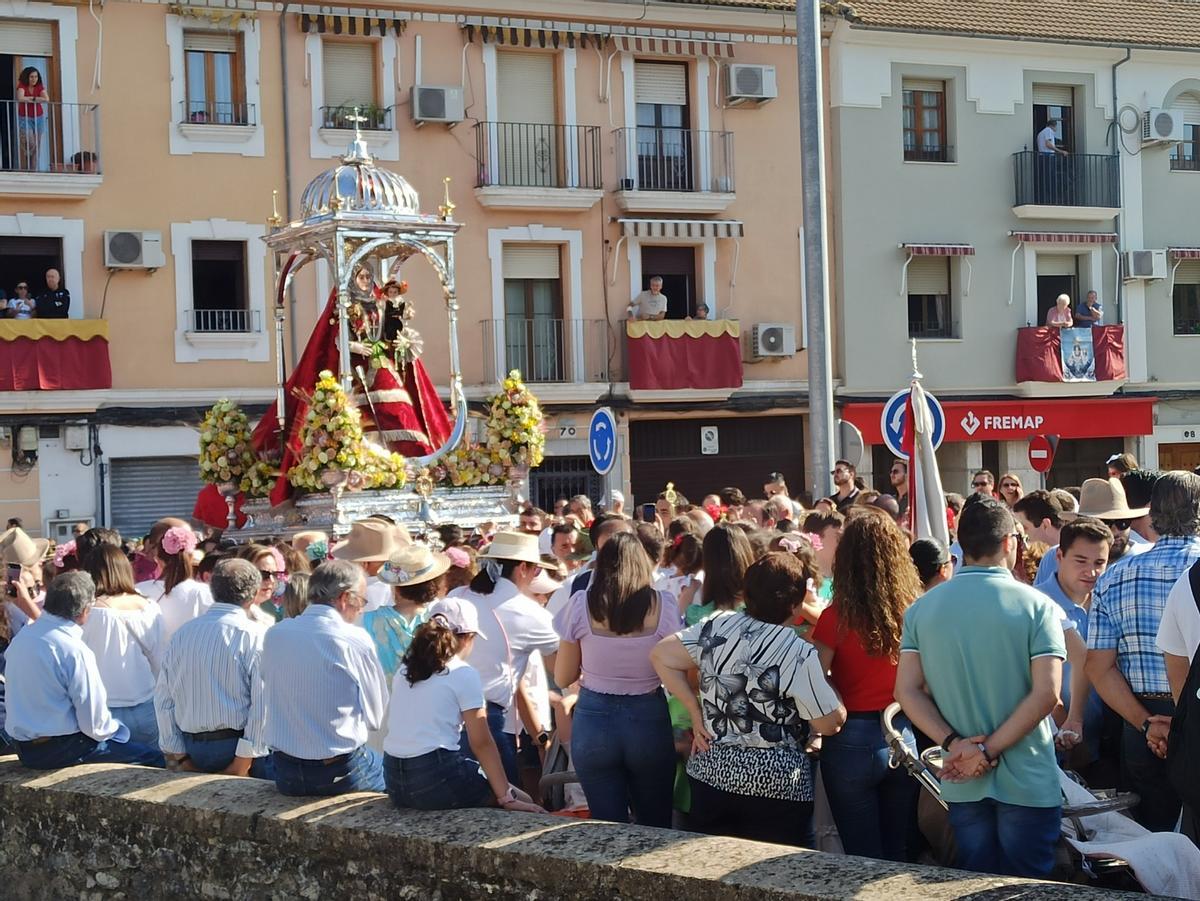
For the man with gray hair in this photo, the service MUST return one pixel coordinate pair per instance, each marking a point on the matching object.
(325, 690)
(1124, 663)
(57, 706)
(212, 714)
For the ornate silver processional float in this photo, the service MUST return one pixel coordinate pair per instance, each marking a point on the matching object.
(365, 223)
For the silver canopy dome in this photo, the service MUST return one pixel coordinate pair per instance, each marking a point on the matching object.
(358, 186)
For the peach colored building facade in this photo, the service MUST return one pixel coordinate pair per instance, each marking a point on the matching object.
(589, 147)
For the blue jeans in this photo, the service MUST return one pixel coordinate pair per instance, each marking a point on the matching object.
(624, 752)
(439, 780)
(70, 750)
(872, 803)
(359, 771)
(1006, 839)
(141, 721)
(506, 742)
(214, 756)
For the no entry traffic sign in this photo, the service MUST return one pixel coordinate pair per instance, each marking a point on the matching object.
(1041, 452)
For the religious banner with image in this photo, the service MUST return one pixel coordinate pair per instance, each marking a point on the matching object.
(1078, 355)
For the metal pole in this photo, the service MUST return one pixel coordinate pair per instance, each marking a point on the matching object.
(816, 288)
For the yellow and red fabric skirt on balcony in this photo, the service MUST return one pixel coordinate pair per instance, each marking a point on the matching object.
(54, 354)
(684, 353)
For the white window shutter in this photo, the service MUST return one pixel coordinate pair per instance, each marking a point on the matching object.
(349, 73)
(664, 83)
(525, 83)
(922, 85)
(211, 41)
(1188, 273)
(1054, 94)
(1056, 264)
(19, 37)
(1188, 104)
(929, 275)
(531, 261)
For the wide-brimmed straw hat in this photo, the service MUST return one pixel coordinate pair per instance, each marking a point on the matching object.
(17, 547)
(412, 566)
(371, 540)
(514, 546)
(1104, 499)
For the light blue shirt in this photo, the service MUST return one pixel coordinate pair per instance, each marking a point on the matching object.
(54, 686)
(1048, 568)
(211, 678)
(325, 687)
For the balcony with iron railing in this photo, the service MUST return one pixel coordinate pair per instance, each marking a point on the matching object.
(674, 170)
(528, 165)
(49, 149)
(346, 116)
(217, 112)
(546, 351)
(1078, 186)
(223, 322)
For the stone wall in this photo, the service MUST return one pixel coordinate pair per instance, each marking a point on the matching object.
(108, 831)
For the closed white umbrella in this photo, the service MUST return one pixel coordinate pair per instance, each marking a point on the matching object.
(926, 500)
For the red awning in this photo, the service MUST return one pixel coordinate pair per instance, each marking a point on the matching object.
(939, 250)
(1065, 237)
(1185, 253)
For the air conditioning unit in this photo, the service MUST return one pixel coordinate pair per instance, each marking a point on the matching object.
(749, 84)
(1160, 126)
(133, 250)
(773, 339)
(433, 103)
(1145, 264)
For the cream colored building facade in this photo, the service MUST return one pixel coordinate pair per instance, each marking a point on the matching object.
(590, 145)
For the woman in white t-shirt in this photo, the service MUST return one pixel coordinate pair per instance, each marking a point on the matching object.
(177, 592)
(124, 631)
(434, 695)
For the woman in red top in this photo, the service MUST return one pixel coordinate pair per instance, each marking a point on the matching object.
(858, 638)
(31, 117)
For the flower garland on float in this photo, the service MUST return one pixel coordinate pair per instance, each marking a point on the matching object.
(226, 453)
(515, 441)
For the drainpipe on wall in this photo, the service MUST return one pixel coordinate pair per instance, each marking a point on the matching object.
(1115, 131)
(287, 162)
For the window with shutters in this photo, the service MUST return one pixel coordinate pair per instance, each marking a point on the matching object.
(219, 287)
(216, 79)
(925, 132)
(664, 140)
(1185, 298)
(526, 135)
(351, 92)
(534, 333)
(930, 307)
(1054, 106)
(1185, 156)
(26, 44)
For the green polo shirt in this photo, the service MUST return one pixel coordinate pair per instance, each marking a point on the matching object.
(976, 635)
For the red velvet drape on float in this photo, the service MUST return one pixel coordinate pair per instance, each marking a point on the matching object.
(671, 354)
(1039, 353)
(54, 355)
(212, 510)
(408, 406)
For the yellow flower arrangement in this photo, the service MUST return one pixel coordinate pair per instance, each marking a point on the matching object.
(226, 453)
(515, 441)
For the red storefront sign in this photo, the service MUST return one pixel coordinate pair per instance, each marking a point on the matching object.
(1017, 420)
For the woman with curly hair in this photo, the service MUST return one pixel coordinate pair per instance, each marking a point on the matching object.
(858, 638)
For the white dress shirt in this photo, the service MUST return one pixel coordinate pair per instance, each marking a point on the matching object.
(379, 594)
(128, 646)
(511, 627)
(211, 679)
(184, 603)
(325, 687)
(53, 686)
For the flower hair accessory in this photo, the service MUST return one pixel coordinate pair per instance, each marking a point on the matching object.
(791, 545)
(458, 557)
(317, 551)
(62, 552)
(815, 540)
(678, 540)
(179, 539)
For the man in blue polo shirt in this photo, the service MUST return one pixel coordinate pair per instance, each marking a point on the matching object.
(980, 671)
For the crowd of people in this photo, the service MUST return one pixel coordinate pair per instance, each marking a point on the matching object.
(710, 667)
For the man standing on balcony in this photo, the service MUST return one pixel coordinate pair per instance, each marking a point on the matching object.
(1089, 312)
(1047, 139)
(650, 305)
(55, 301)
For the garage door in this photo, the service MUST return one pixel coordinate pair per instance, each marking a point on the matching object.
(145, 489)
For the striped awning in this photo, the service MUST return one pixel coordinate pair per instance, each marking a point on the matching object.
(673, 46)
(377, 26)
(939, 250)
(1065, 237)
(682, 228)
(533, 37)
(1184, 253)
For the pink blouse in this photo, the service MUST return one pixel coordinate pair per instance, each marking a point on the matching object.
(1061, 320)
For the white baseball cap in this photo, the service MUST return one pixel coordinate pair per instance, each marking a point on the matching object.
(461, 616)
(616, 497)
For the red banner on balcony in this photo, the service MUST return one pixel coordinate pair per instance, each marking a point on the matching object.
(674, 354)
(54, 355)
(1039, 353)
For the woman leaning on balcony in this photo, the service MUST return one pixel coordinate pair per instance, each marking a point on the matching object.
(31, 117)
(1059, 316)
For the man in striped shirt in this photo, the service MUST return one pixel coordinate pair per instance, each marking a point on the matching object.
(325, 690)
(209, 699)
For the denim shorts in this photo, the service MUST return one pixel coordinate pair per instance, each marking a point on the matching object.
(439, 780)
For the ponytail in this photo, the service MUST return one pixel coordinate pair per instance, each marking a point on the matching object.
(433, 646)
